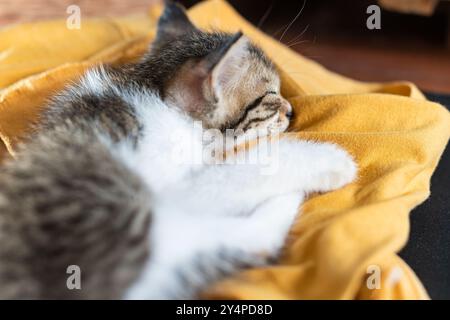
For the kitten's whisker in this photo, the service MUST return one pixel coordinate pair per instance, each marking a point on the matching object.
(279, 30)
(297, 43)
(265, 16)
(299, 36)
(293, 21)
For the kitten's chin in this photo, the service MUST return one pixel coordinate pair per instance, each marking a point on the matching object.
(261, 133)
(278, 127)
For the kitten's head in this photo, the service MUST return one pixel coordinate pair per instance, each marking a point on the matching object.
(221, 79)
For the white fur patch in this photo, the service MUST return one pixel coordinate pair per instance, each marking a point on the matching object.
(165, 153)
(95, 81)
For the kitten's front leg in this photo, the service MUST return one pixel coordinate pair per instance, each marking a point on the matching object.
(295, 166)
(309, 166)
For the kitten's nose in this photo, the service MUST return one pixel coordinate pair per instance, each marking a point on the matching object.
(286, 108)
(289, 115)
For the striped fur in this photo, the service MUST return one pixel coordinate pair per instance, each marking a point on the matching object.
(66, 201)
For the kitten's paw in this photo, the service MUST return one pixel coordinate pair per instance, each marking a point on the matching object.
(338, 168)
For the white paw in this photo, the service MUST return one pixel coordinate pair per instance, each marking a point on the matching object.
(337, 169)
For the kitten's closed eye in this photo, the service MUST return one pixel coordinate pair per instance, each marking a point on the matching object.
(269, 111)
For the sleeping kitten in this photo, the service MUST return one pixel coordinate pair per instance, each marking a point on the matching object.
(97, 185)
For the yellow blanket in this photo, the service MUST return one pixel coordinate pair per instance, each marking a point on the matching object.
(344, 240)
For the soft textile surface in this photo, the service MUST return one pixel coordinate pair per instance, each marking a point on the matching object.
(343, 237)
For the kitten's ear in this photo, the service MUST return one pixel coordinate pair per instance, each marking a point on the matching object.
(173, 23)
(229, 64)
(212, 78)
